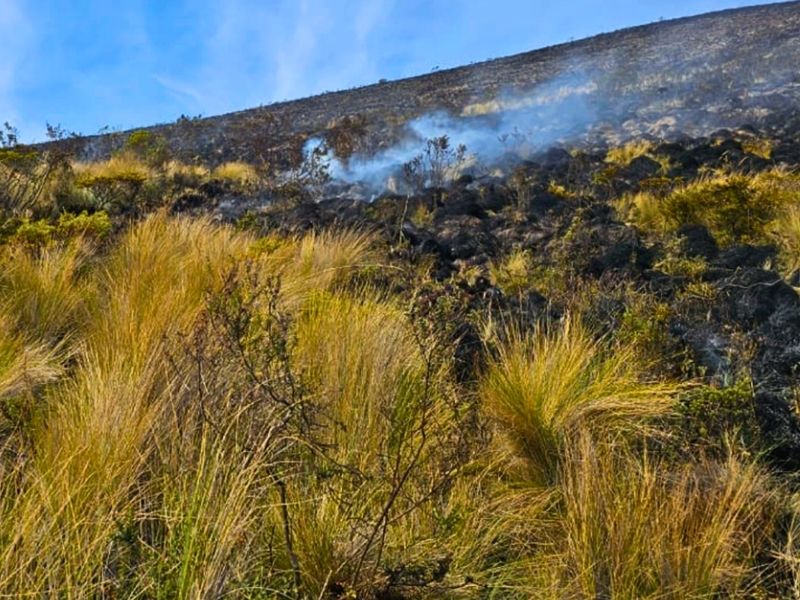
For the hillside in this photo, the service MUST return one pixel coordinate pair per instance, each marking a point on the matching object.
(365, 363)
(687, 76)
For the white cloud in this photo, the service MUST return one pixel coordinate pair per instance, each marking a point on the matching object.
(257, 53)
(181, 89)
(17, 35)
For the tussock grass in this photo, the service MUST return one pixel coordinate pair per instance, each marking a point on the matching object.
(186, 175)
(642, 209)
(513, 273)
(240, 173)
(638, 528)
(624, 155)
(45, 290)
(735, 207)
(121, 168)
(212, 502)
(761, 147)
(317, 261)
(544, 386)
(90, 450)
(214, 415)
(627, 153)
(381, 399)
(24, 365)
(786, 233)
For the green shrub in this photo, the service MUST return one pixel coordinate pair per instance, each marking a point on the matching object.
(96, 225)
(721, 418)
(149, 147)
(34, 233)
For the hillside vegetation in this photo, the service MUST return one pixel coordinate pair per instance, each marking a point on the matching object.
(575, 380)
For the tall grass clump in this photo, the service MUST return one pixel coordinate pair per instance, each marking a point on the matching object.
(627, 153)
(89, 453)
(46, 289)
(391, 424)
(24, 365)
(513, 273)
(735, 207)
(643, 528)
(317, 261)
(544, 386)
(786, 233)
(241, 174)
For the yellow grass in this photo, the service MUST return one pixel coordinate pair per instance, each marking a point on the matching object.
(639, 529)
(241, 173)
(513, 273)
(735, 207)
(624, 155)
(544, 386)
(786, 232)
(150, 449)
(123, 168)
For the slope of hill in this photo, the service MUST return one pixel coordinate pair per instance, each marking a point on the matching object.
(684, 76)
(573, 373)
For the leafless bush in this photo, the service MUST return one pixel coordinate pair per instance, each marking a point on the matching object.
(436, 165)
(25, 173)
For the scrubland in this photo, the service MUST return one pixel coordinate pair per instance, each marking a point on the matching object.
(198, 409)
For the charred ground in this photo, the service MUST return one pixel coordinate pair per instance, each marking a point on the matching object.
(686, 76)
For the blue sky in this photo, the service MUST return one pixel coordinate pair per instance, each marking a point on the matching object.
(91, 63)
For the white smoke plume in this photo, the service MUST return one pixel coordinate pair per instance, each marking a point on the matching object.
(516, 123)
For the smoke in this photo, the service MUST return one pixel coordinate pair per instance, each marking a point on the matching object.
(514, 125)
(661, 84)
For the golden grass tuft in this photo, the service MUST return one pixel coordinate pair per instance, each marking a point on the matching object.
(786, 233)
(90, 451)
(240, 173)
(369, 376)
(627, 153)
(543, 386)
(186, 175)
(317, 261)
(513, 273)
(735, 207)
(638, 528)
(24, 365)
(642, 209)
(121, 168)
(45, 291)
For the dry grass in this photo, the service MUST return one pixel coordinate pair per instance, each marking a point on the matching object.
(240, 173)
(24, 365)
(642, 209)
(513, 273)
(122, 168)
(735, 207)
(159, 458)
(786, 233)
(543, 387)
(91, 448)
(761, 147)
(627, 153)
(317, 261)
(45, 291)
(370, 378)
(637, 528)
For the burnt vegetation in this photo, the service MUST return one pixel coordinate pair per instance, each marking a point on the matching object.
(567, 372)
